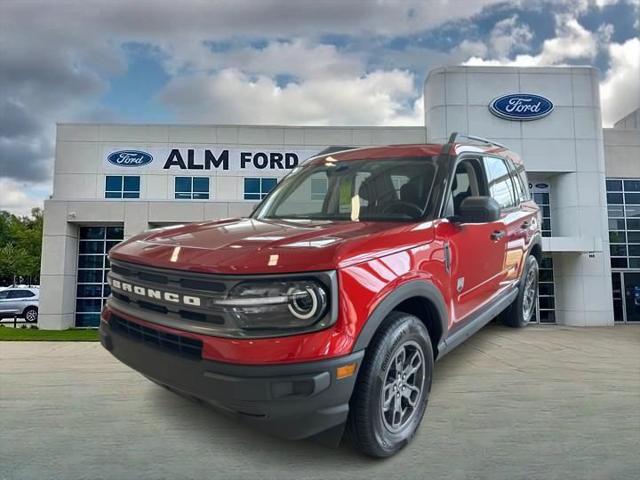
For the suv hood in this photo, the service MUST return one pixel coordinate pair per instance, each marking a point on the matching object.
(250, 246)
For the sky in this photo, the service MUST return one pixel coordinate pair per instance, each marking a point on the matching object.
(293, 62)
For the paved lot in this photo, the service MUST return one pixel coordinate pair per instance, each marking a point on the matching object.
(542, 403)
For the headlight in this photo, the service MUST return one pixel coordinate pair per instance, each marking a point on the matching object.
(276, 305)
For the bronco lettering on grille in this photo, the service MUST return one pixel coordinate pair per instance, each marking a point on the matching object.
(172, 297)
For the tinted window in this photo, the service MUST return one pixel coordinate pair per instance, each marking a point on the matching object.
(3, 294)
(500, 184)
(20, 294)
(192, 188)
(258, 188)
(122, 186)
(520, 182)
(367, 189)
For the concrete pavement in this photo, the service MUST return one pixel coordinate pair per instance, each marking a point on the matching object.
(540, 403)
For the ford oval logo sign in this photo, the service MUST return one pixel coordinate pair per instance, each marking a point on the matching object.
(521, 106)
(130, 158)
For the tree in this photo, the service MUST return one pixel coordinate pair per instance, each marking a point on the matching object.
(20, 245)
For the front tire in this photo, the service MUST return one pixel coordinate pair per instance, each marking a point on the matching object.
(30, 314)
(392, 390)
(521, 311)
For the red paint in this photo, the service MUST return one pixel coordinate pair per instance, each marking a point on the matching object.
(372, 260)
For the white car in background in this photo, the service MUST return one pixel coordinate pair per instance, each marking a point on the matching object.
(20, 301)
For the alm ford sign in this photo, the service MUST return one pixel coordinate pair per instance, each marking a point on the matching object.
(129, 158)
(521, 106)
(203, 157)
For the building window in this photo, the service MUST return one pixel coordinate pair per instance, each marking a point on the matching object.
(192, 188)
(541, 196)
(623, 207)
(93, 265)
(546, 292)
(122, 186)
(258, 188)
(546, 308)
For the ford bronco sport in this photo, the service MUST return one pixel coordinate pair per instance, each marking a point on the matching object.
(328, 306)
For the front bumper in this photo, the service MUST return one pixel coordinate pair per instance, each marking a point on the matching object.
(291, 401)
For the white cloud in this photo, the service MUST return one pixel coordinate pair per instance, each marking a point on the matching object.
(20, 197)
(508, 36)
(572, 42)
(232, 96)
(620, 90)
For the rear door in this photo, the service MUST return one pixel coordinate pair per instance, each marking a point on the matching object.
(505, 188)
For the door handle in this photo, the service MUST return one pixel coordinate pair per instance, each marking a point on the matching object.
(525, 225)
(497, 235)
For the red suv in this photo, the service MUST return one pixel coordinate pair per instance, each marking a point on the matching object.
(329, 305)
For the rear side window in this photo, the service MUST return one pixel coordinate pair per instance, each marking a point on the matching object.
(20, 294)
(520, 182)
(500, 184)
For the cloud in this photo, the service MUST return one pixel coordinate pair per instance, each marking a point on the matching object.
(20, 197)
(232, 96)
(509, 36)
(268, 61)
(620, 90)
(572, 42)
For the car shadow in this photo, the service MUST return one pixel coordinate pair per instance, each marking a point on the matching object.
(209, 425)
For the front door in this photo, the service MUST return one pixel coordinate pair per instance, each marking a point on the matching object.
(476, 251)
(8, 302)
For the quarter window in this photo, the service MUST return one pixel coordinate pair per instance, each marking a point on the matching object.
(192, 188)
(258, 188)
(500, 184)
(122, 186)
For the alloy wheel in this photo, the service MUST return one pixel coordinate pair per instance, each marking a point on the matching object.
(530, 289)
(403, 386)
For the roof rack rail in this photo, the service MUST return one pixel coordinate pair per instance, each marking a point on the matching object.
(333, 149)
(456, 135)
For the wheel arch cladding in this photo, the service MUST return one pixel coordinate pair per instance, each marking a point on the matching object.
(419, 298)
(536, 248)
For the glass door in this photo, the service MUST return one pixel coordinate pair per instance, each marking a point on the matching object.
(632, 296)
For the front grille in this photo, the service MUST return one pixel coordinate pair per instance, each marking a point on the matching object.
(173, 279)
(183, 346)
(202, 286)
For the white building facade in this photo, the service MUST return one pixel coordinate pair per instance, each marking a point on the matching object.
(113, 181)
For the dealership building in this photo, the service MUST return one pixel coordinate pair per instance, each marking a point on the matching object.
(113, 181)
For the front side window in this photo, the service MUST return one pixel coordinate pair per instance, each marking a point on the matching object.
(122, 186)
(380, 189)
(192, 188)
(500, 184)
(256, 188)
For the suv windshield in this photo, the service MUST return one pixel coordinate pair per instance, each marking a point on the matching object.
(380, 189)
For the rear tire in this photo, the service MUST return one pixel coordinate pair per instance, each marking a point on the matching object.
(521, 311)
(392, 390)
(30, 314)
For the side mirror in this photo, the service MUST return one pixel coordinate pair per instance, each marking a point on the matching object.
(479, 210)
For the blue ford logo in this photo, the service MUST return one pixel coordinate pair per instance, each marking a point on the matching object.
(130, 158)
(521, 106)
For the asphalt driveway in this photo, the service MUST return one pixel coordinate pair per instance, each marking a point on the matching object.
(541, 403)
